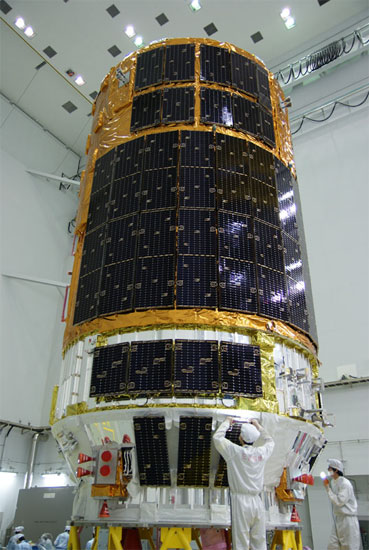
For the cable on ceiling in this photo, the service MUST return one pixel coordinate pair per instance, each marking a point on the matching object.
(331, 113)
(321, 57)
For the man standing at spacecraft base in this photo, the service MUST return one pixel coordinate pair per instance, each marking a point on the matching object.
(245, 468)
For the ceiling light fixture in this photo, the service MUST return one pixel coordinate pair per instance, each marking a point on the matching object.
(19, 22)
(28, 31)
(290, 22)
(130, 31)
(195, 5)
(79, 80)
(138, 41)
(285, 13)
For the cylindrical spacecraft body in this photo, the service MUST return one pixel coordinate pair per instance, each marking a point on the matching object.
(190, 296)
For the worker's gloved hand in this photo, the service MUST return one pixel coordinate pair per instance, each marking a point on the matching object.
(326, 483)
(230, 420)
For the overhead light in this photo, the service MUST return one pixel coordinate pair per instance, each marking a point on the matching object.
(28, 31)
(54, 480)
(19, 22)
(7, 478)
(79, 80)
(138, 41)
(285, 13)
(195, 5)
(130, 31)
(290, 22)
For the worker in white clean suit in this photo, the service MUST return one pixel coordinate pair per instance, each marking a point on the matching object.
(61, 541)
(12, 545)
(21, 543)
(345, 533)
(245, 468)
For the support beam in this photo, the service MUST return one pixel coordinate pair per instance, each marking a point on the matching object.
(36, 280)
(48, 177)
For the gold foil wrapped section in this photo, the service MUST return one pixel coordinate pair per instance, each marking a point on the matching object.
(53, 405)
(174, 318)
(77, 408)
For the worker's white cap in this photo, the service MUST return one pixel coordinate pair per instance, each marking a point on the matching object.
(336, 464)
(67, 528)
(249, 433)
(19, 529)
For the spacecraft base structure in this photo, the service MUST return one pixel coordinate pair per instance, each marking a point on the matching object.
(190, 297)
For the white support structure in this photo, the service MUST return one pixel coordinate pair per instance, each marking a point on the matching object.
(36, 280)
(53, 177)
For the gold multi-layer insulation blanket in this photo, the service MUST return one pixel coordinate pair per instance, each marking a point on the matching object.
(111, 127)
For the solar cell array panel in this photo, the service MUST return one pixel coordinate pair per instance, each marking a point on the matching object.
(179, 62)
(241, 371)
(246, 116)
(109, 374)
(216, 107)
(178, 105)
(215, 65)
(196, 367)
(149, 68)
(244, 74)
(193, 469)
(146, 110)
(192, 219)
(104, 170)
(152, 458)
(150, 370)
(181, 368)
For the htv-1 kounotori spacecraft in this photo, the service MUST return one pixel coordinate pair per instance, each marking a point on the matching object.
(190, 296)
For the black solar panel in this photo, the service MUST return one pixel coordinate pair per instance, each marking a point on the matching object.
(246, 115)
(221, 477)
(125, 196)
(161, 150)
(272, 295)
(292, 258)
(287, 217)
(231, 154)
(237, 284)
(196, 367)
(98, 208)
(267, 127)
(129, 158)
(268, 246)
(197, 187)
(261, 165)
(178, 105)
(154, 282)
(240, 370)
(215, 65)
(150, 370)
(121, 239)
(194, 444)
(93, 251)
(103, 172)
(109, 370)
(216, 107)
(87, 296)
(243, 74)
(159, 189)
(234, 194)
(264, 202)
(149, 68)
(297, 303)
(146, 110)
(197, 149)
(263, 87)
(235, 236)
(179, 62)
(197, 281)
(197, 232)
(157, 233)
(283, 181)
(152, 451)
(116, 292)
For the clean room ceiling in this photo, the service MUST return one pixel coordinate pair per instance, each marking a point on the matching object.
(87, 36)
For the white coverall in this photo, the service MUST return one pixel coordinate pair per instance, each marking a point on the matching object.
(345, 533)
(245, 468)
(61, 541)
